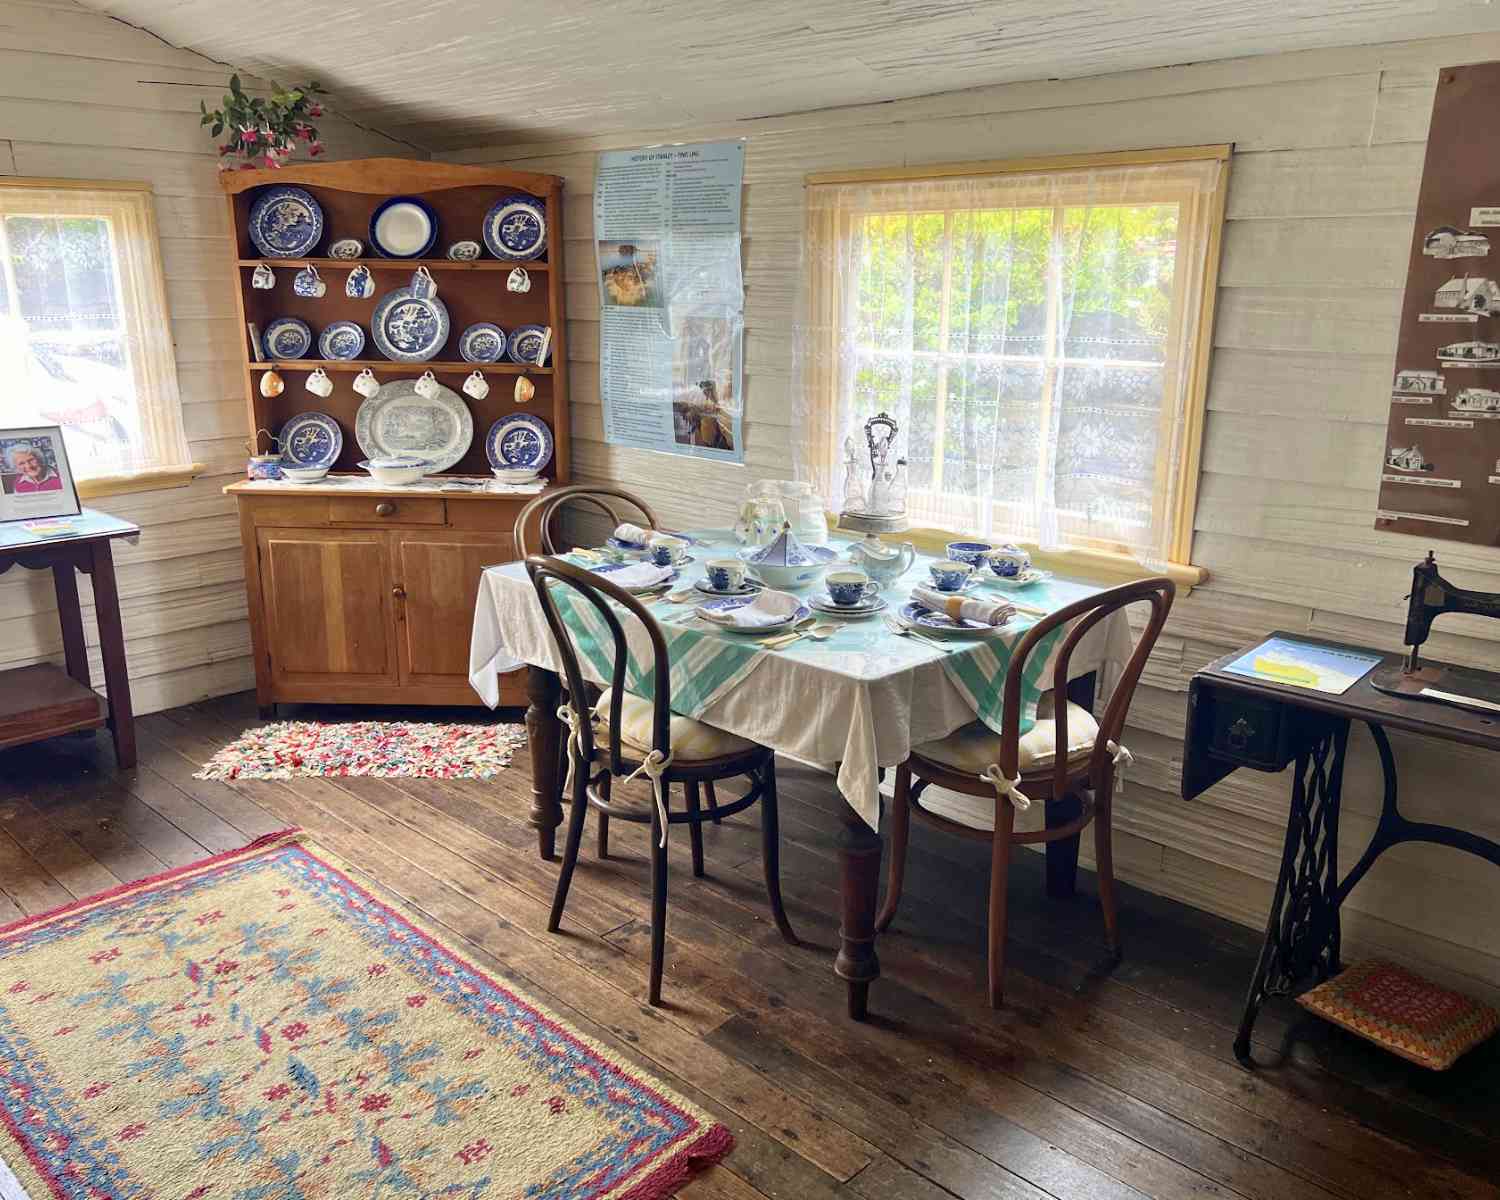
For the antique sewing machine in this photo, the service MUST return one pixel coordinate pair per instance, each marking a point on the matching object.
(1466, 687)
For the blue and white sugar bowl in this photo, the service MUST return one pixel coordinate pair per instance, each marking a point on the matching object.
(786, 562)
(972, 553)
(1009, 562)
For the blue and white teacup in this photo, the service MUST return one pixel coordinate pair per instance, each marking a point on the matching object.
(667, 549)
(972, 553)
(307, 283)
(1009, 562)
(848, 588)
(725, 574)
(361, 283)
(423, 285)
(950, 575)
(263, 277)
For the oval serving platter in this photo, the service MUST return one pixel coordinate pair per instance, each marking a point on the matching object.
(516, 229)
(409, 328)
(403, 227)
(341, 341)
(396, 421)
(311, 439)
(482, 342)
(525, 343)
(287, 338)
(520, 440)
(285, 222)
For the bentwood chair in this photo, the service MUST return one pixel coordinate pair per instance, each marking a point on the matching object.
(624, 736)
(537, 532)
(993, 774)
(536, 526)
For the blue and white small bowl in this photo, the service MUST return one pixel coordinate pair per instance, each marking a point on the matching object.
(973, 553)
(1009, 562)
(950, 575)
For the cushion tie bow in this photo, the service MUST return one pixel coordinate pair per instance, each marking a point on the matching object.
(655, 765)
(1004, 787)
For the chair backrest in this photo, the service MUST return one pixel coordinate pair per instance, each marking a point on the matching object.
(1084, 615)
(549, 573)
(542, 513)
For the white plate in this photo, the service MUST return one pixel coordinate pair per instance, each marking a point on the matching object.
(395, 421)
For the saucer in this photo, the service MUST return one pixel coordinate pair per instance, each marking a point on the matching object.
(972, 582)
(748, 588)
(868, 609)
(1024, 579)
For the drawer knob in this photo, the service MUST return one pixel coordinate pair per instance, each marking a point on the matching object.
(398, 592)
(385, 509)
(1239, 734)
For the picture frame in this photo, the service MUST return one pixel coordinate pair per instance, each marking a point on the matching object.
(35, 478)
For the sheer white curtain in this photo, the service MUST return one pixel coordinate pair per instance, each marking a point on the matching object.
(1031, 333)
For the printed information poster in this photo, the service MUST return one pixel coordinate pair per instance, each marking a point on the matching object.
(1304, 664)
(671, 298)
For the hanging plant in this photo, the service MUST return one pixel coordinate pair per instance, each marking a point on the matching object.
(264, 132)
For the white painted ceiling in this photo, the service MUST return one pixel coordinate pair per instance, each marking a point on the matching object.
(445, 74)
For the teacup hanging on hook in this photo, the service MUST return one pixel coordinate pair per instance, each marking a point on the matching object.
(271, 384)
(423, 285)
(525, 389)
(476, 385)
(519, 280)
(366, 384)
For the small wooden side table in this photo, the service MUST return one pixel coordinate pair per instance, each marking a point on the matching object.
(42, 700)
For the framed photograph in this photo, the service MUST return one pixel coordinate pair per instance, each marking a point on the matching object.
(35, 480)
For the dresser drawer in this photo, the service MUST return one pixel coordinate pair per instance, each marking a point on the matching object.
(387, 510)
(1249, 730)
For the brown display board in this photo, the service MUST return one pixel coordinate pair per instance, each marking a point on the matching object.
(1441, 472)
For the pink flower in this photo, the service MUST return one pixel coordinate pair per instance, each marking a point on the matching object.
(249, 136)
(315, 149)
(315, 109)
(271, 161)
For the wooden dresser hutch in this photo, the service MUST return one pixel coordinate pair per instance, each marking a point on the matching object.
(368, 596)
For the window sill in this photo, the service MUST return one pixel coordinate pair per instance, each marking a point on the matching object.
(1100, 566)
(141, 481)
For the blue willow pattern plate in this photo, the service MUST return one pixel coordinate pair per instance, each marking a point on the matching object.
(711, 609)
(482, 343)
(525, 344)
(520, 440)
(287, 338)
(341, 341)
(311, 439)
(408, 328)
(922, 617)
(607, 569)
(516, 229)
(285, 222)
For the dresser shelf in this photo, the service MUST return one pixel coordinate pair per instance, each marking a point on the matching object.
(386, 365)
(396, 264)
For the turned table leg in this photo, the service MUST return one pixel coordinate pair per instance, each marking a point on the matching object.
(544, 734)
(859, 867)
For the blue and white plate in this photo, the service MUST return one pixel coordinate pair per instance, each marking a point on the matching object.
(397, 420)
(749, 588)
(285, 222)
(516, 228)
(621, 544)
(525, 343)
(286, 338)
(482, 343)
(866, 608)
(409, 328)
(341, 341)
(403, 227)
(921, 617)
(716, 610)
(311, 439)
(1025, 579)
(346, 249)
(607, 569)
(519, 440)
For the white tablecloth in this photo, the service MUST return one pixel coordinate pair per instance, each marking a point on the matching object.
(859, 701)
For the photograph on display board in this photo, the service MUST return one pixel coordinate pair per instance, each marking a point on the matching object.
(35, 479)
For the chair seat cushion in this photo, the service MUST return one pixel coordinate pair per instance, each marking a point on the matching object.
(692, 741)
(975, 746)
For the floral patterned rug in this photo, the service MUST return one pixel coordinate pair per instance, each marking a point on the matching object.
(382, 748)
(257, 1026)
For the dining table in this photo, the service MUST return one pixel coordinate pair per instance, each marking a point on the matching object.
(853, 700)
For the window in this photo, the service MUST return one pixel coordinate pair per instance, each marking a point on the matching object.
(85, 340)
(1040, 332)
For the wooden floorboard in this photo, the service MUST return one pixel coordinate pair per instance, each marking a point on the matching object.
(1091, 1082)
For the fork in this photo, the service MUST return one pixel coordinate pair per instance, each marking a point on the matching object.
(906, 631)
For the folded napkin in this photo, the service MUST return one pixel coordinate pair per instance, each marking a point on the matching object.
(637, 575)
(634, 534)
(966, 608)
(768, 608)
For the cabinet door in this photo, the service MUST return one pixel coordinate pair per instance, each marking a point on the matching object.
(327, 600)
(437, 574)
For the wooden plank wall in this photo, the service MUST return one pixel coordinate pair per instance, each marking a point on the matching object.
(1329, 149)
(83, 95)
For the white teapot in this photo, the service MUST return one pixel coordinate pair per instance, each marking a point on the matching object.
(884, 564)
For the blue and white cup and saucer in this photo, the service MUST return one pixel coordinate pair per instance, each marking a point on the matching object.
(667, 550)
(973, 553)
(726, 576)
(1009, 562)
(950, 575)
(850, 589)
